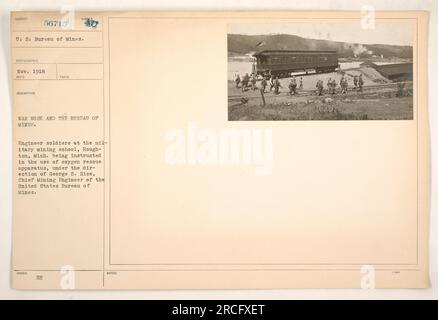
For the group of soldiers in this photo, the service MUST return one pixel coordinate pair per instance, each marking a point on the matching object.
(248, 81)
(293, 85)
(343, 83)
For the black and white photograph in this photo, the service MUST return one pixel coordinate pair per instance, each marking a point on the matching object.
(344, 70)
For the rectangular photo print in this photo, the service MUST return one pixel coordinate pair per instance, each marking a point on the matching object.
(345, 70)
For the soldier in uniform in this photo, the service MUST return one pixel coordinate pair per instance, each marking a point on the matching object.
(319, 87)
(329, 85)
(293, 86)
(334, 84)
(264, 83)
(271, 82)
(355, 81)
(253, 81)
(301, 83)
(277, 86)
(245, 81)
(360, 83)
(344, 84)
(237, 80)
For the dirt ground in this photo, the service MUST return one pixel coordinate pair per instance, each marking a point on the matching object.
(380, 100)
(337, 109)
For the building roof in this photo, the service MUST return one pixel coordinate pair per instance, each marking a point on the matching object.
(388, 70)
(369, 64)
(282, 52)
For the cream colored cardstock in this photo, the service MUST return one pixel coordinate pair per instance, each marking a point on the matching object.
(125, 176)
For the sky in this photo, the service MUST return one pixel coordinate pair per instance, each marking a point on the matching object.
(395, 33)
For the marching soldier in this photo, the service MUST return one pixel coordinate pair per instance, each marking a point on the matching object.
(344, 84)
(360, 83)
(245, 81)
(264, 83)
(271, 83)
(329, 85)
(319, 87)
(277, 86)
(237, 80)
(253, 81)
(293, 86)
(334, 84)
(355, 81)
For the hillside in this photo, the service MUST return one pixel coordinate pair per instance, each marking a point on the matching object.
(244, 44)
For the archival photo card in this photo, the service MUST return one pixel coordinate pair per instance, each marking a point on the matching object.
(126, 179)
(346, 70)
